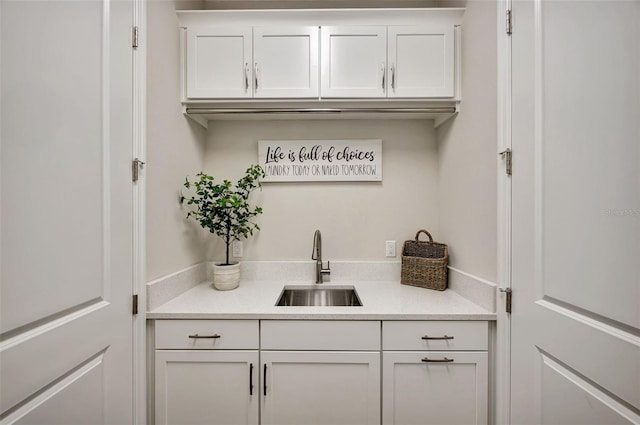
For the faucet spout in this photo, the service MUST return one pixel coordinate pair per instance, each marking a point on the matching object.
(317, 255)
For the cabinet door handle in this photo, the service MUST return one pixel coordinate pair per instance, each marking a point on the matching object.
(383, 68)
(255, 75)
(437, 337)
(246, 76)
(393, 77)
(250, 378)
(428, 360)
(264, 380)
(196, 336)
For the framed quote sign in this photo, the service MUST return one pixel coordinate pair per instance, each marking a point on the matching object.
(320, 160)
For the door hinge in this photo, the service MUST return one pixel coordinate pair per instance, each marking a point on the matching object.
(508, 292)
(509, 23)
(507, 156)
(136, 165)
(135, 38)
(134, 307)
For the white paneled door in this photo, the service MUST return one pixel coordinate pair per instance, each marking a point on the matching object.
(576, 213)
(66, 214)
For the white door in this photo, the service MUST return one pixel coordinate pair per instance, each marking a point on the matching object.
(286, 62)
(354, 61)
(320, 388)
(219, 62)
(576, 213)
(421, 61)
(207, 387)
(434, 388)
(66, 215)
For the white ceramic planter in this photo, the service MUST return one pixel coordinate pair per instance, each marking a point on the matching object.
(226, 277)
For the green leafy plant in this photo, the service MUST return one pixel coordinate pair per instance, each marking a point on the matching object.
(224, 208)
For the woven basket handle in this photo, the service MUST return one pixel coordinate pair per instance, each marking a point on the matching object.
(425, 232)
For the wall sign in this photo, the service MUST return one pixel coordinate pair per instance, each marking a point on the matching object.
(320, 160)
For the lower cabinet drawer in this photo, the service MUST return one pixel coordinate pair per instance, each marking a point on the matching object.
(207, 334)
(435, 335)
(346, 335)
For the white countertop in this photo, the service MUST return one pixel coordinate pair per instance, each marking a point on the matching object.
(385, 300)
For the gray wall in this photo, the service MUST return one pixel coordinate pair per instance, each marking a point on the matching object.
(355, 218)
(175, 147)
(467, 160)
(442, 179)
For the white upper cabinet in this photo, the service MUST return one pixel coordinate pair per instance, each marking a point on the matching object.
(354, 61)
(421, 61)
(343, 63)
(285, 62)
(219, 62)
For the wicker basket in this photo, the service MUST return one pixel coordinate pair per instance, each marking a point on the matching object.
(424, 263)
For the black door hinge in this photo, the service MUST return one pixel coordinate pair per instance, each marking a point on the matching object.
(134, 308)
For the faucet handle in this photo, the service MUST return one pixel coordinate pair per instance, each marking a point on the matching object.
(327, 270)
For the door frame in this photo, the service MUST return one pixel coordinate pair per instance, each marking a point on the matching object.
(502, 375)
(139, 149)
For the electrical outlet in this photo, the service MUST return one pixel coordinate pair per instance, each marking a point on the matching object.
(237, 249)
(390, 248)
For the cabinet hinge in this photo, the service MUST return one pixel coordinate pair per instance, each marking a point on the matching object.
(135, 37)
(509, 23)
(136, 165)
(134, 305)
(508, 292)
(507, 156)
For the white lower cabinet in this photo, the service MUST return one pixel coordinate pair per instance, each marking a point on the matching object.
(320, 372)
(435, 387)
(320, 388)
(206, 387)
(435, 373)
(315, 372)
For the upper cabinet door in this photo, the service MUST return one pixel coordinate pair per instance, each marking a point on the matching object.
(285, 62)
(354, 61)
(421, 61)
(219, 62)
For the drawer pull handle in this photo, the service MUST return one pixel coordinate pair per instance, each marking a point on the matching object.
(445, 360)
(264, 381)
(196, 336)
(250, 378)
(437, 337)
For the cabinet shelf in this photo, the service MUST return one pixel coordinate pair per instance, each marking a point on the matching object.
(203, 113)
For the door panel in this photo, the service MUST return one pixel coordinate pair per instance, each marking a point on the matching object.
(320, 388)
(576, 204)
(354, 61)
(286, 61)
(421, 61)
(219, 62)
(212, 387)
(66, 214)
(415, 392)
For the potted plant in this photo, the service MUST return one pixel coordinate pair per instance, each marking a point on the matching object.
(224, 210)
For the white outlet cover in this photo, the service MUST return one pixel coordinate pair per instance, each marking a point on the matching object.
(390, 248)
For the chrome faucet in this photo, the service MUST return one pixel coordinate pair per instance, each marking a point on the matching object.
(317, 255)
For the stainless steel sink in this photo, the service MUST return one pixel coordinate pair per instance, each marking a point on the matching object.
(319, 296)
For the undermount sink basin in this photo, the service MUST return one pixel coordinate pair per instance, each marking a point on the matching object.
(319, 296)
